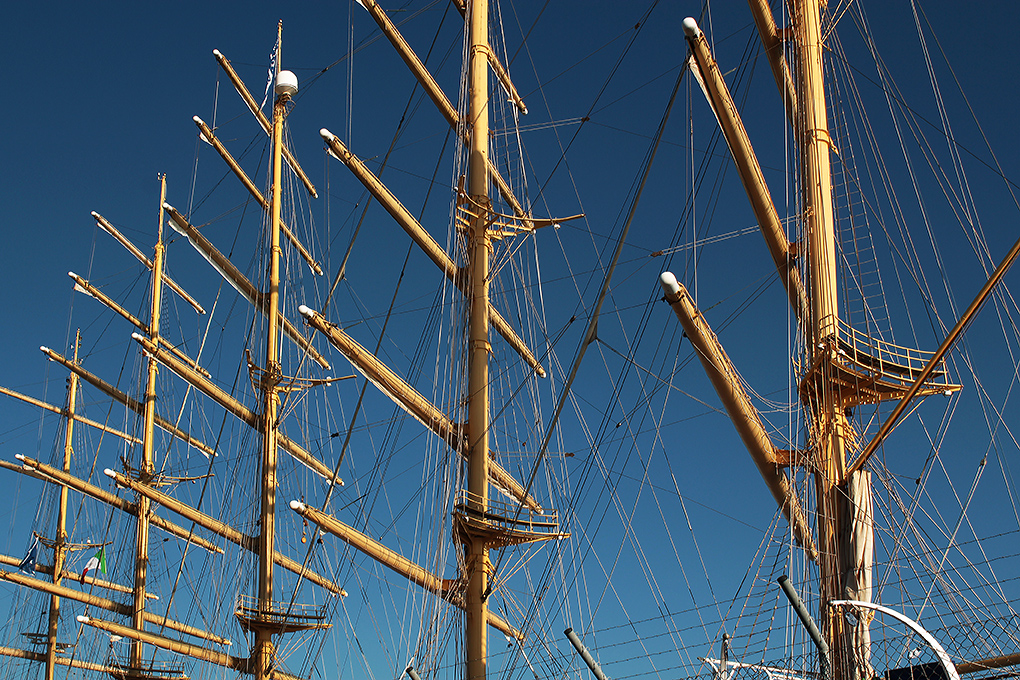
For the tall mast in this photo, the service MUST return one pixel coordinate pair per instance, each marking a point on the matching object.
(829, 424)
(479, 245)
(60, 540)
(264, 652)
(147, 465)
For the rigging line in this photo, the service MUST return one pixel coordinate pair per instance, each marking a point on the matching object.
(102, 545)
(690, 499)
(922, 554)
(627, 95)
(904, 255)
(952, 537)
(367, 42)
(765, 283)
(364, 386)
(608, 587)
(208, 477)
(382, 334)
(526, 34)
(947, 344)
(958, 205)
(897, 98)
(396, 424)
(707, 241)
(527, 379)
(193, 206)
(341, 272)
(349, 109)
(768, 537)
(664, 383)
(574, 400)
(590, 334)
(987, 399)
(1009, 185)
(912, 263)
(967, 202)
(598, 96)
(535, 127)
(835, 20)
(187, 392)
(930, 161)
(974, 237)
(683, 504)
(191, 531)
(1007, 478)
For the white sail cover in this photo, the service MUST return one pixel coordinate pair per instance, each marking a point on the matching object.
(858, 560)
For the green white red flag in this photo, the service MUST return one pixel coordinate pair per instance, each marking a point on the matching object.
(97, 561)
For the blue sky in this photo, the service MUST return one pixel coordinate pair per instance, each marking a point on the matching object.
(101, 99)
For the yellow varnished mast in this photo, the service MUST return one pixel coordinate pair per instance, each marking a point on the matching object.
(60, 540)
(479, 246)
(264, 651)
(147, 465)
(828, 422)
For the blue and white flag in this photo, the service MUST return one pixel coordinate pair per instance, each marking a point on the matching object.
(27, 565)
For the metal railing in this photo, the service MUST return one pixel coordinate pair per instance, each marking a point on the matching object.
(884, 359)
(508, 516)
(118, 667)
(281, 612)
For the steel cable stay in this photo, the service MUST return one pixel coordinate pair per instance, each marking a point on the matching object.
(925, 558)
(564, 395)
(380, 338)
(992, 421)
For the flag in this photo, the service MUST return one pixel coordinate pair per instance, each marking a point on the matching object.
(96, 561)
(27, 565)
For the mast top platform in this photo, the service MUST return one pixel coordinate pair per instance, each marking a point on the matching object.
(504, 524)
(280, 617)
(866, 370)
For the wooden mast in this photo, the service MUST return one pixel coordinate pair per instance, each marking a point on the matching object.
(828, 427)
(264, 652)
(59, 541)
(479, 245)
(146, 467)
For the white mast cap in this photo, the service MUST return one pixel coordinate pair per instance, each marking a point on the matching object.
(669, 284)
(286, 83)
(691, 29)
